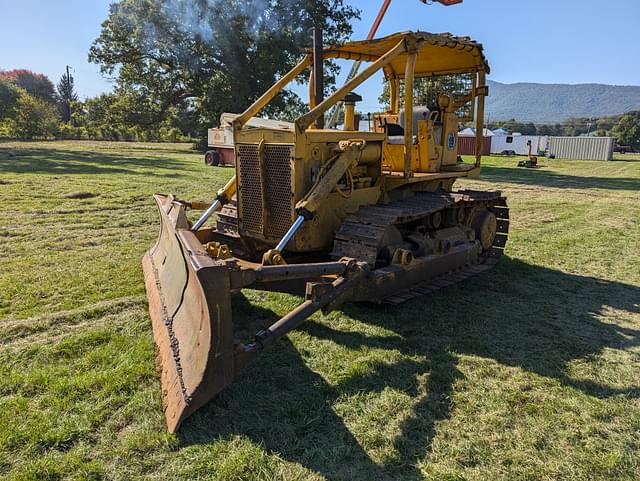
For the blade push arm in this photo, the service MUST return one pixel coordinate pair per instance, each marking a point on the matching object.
(223, 196)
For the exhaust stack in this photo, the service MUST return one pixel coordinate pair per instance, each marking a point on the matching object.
(318, 72)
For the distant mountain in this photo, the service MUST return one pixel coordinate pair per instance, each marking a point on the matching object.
(549, 103)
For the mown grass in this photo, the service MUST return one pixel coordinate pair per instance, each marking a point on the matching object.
(531, 372)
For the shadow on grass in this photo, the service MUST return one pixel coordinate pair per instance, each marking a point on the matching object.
(547, 178)
(520, 315)
(63, 162)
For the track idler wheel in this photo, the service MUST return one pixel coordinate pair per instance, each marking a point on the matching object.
(485, 225)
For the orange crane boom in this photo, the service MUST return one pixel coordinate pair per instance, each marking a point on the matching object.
(372, 33)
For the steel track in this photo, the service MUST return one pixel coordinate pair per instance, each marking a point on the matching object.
(361, 234)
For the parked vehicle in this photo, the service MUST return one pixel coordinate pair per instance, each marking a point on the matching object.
(220, 139)
(343, 215)
(623, 149)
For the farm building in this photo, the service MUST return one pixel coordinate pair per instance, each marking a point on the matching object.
(467, 142)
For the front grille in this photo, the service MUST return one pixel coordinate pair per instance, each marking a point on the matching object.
(277, 193)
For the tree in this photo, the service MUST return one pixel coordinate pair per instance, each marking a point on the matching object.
(212, 55)
(34, 118)
(9, 95)
(104, 118)
(627, 131)
(66, 95)
(427, 89)
(36, 84)
(545, 130)
(524, 128)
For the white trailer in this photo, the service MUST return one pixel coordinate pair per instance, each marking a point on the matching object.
(220, 139)
(519, 144)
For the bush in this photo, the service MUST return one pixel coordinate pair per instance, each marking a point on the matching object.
(34, 118)
(9, 96)
(69, 132)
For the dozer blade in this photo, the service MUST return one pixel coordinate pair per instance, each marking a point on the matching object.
(190, 307)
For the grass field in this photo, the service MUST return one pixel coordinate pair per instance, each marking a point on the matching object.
(529, 373)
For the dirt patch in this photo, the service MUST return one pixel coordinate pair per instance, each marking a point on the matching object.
(79, 195)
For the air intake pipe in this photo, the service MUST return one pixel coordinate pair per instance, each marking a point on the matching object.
(350, 111)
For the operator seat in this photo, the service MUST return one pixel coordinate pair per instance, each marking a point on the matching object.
(392, 130)
(420, 112)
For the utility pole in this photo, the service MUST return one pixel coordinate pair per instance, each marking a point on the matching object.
(68, 101)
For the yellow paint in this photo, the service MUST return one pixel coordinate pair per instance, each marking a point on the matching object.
(329, 182)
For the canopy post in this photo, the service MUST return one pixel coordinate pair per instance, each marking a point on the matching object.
(307, 119)
(394, 94)
(408, 114)
(482, 91)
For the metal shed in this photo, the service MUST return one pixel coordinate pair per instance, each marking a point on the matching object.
(581, 148)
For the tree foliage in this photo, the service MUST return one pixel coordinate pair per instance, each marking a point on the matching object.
(619, 126)
(26, 105)
(105, 117)
(35, 84)
(627, 130)
(525, 128)
(427, 89)
(211, 55)
(66, 95)
(9, 95)
(34, 118)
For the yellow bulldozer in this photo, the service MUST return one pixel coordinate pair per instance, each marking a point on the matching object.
(335, 214)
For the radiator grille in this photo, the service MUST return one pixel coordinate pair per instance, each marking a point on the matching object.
(278, 196)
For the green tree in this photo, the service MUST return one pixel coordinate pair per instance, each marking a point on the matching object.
(210, 55)
(627, 131)
(98, 118)
(36, 84)
(66, 95)
(106, 117)
(524, 128)
(427, 89)
(545, 130)
(9, 95)
(34, 118)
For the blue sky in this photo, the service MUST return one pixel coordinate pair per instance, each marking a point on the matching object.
(550, 41)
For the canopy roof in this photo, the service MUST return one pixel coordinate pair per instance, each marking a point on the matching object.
(438, 54)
